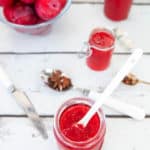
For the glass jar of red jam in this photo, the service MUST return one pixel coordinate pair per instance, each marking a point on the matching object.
(101, 45)
(69, 137)
(117, 9)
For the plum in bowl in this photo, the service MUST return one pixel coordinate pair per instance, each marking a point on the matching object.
(32, 16)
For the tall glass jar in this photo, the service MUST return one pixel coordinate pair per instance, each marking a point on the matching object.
(117, 9)
(64, 143)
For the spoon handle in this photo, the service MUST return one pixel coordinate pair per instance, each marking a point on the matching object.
(132, 60)
(144, 82)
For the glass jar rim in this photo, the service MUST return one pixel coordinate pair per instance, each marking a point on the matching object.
(108, 30)
(76, 144)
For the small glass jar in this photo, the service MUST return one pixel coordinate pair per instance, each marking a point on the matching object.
(99, 57)
(93, 143)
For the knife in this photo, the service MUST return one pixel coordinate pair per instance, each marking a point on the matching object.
(24, 102)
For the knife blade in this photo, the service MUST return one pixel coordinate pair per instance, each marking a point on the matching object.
(24, 102)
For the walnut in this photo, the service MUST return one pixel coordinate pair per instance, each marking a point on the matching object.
(130, 79)
(58, 81)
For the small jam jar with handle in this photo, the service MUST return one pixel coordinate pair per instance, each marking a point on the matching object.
(101, 45)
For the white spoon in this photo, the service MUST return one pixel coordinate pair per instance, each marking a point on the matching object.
(132, 60)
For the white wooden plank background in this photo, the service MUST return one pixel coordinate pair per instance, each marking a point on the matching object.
(123, 134)
(17, 132)
(69, 33)
(25, 72)
(101, 1)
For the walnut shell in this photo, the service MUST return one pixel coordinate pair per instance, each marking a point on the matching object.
(130, 79)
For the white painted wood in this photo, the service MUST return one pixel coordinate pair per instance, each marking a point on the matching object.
(124, 134)
(101, 1)
(24, 70)
(69, 33)
(5, 81)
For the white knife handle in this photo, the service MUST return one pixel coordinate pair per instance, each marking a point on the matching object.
(127, 109)
(4, 79)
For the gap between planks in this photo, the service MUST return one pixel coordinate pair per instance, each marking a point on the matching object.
(101, 2)
(52, 116)
(60, 53)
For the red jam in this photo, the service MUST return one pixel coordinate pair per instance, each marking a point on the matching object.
(101, 43)
(71, 116)
(71, 136)
(117, 9)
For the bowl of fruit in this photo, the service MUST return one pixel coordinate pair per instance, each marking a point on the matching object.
(32, 16)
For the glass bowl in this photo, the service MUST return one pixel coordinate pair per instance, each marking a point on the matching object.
(37, 29)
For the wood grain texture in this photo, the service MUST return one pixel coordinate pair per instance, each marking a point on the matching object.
(102, 1)
(24, 71)
(123, 134)
(69, 33)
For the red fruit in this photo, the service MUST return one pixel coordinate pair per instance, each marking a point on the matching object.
(47, 9)
(28, 1)
(63, 3)
(40, 21)
(20, 14)
(5, 2)
(8, 11)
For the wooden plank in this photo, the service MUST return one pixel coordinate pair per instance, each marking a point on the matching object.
(68, 34)
(102, 1)
(121, 134)
(25, 70)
